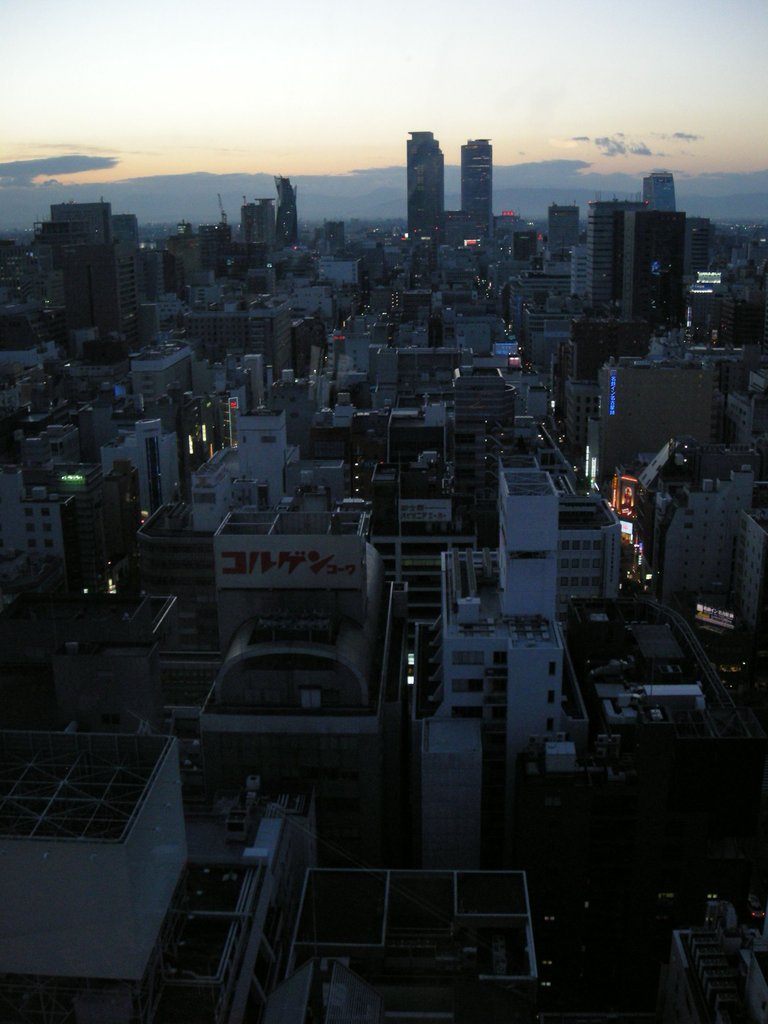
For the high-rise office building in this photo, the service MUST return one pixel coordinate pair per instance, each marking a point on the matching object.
(605, 248)
(426, 193)
(287, 223)
(94, 220)
(659, 191)
(477, 184)
(698, 244)
(257, 221)
(654, 247)
(562, 228)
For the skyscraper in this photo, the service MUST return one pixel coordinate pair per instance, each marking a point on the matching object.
(426, 198)
(287, 223)
(654, 247)
(659, 191)
(562, 228)
(477, 184)
(605, 249)
(257, 221)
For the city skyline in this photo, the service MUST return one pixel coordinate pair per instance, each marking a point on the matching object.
(158, 90)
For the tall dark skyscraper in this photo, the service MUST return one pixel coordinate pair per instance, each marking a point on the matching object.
(426, 192)
(654, 247)
(562, 228)
(257, 221)
(287, 221)
(477, 184)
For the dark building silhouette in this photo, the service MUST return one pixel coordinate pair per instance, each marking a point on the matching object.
(698, 244)
(562, 228)
(477, 184)
(654, 248)
(660, 813)
(333, 235)
(426, 191)
(100, 289)
(605, 249)
(287, 223)
(257, 221)
(94, 220)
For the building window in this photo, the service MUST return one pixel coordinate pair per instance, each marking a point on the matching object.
(310, 696)
(550, 724)
(550, 696)
(499, 657)
(552, 667)
(467, 685)
(466, 657)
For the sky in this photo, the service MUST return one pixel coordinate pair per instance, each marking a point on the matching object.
(108, 91)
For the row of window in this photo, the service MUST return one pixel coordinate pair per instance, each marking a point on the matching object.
(577, 545)
(580, 563)
(576, 581)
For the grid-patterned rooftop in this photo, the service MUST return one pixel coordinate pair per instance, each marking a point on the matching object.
(73, 786)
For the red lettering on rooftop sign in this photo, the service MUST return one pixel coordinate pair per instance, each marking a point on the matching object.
(245, 563)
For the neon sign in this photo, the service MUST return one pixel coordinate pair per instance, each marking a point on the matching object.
(612, 395)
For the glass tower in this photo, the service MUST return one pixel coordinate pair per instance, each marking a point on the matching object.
(477, 184)
(287, 222)
(425, 168)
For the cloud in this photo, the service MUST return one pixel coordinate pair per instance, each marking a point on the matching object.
(618, 145)
(580, 138)
(24, 172)
(678, 136)
(611, 145)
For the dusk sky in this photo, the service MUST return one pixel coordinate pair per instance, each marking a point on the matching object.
(161, 87)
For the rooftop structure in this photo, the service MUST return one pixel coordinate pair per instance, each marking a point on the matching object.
(91, 829)
(424, 939)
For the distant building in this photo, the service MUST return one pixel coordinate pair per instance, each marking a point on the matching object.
(257, 222)
(286, 221)
(477, 185)
(562, 228)
(654, 251)
(100, 289)
(92, 220)
(659, 191)
(426, 191)
(605, 248)
(698, 244)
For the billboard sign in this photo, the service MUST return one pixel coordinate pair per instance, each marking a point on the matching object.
(293, 562)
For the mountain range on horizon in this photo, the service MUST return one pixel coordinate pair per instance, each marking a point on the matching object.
(377, 194)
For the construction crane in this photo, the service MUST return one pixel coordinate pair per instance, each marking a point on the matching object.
(221, 208)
